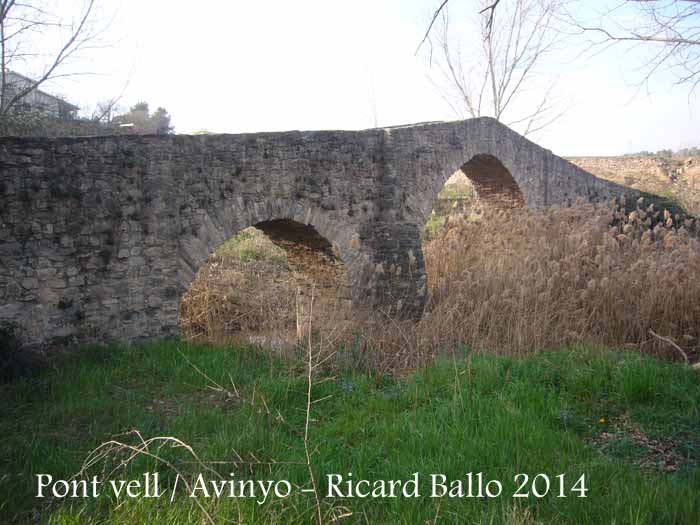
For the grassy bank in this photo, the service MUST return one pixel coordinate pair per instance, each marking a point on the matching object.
(629, 423)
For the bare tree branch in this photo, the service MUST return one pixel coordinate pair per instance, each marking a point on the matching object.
(492, 11)
(427, 33)
(490, 8)
(668, 29)
(25, 24)
(490, 78)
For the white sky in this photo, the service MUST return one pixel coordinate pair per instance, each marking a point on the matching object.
(265, 65)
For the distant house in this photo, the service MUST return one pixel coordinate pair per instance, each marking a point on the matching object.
(36, 101)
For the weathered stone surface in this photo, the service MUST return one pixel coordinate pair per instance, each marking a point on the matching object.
(100, 236)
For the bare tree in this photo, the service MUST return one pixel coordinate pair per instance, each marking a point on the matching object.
(491, 76)
(668, 29)
(106, 110)
(490, 10)
(31, 34)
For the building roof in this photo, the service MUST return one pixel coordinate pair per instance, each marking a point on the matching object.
(61, 100)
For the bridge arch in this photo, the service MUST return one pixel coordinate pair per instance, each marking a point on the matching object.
(268, 283)
(504, 167)
(312, 240)
(497, 181)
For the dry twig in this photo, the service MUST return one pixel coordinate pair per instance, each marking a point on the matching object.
(673, 345)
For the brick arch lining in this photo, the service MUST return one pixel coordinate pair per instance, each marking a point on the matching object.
(311, 254)
(493, 182)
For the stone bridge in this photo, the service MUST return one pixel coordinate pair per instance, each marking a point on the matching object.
(100, 236)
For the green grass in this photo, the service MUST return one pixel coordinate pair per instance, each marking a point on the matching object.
(252, 245)
(574, 411)
(456, 191)
(663, 200)
(433, 225)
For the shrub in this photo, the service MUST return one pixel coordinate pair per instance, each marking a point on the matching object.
(16, 359)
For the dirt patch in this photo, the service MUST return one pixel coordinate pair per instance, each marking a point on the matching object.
(627, 441)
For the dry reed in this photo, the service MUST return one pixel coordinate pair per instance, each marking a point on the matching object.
(230, 296)
(249, 292)
(510, 282)
(520, 281)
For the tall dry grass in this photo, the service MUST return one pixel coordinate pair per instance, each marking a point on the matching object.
(520, 281)
(249, 291)
(512, 282)
(229, 297)
(245, 288)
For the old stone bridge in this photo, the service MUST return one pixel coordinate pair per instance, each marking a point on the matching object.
(100, 236)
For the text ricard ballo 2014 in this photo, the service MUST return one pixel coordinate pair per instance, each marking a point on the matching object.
(417, 485)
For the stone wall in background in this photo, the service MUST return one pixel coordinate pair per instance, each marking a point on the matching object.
(100, 236)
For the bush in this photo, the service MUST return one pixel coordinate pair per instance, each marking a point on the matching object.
(16, 359)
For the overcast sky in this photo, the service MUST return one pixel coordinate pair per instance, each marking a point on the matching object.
(241, 66)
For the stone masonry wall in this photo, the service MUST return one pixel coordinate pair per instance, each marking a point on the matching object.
(99, 237)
